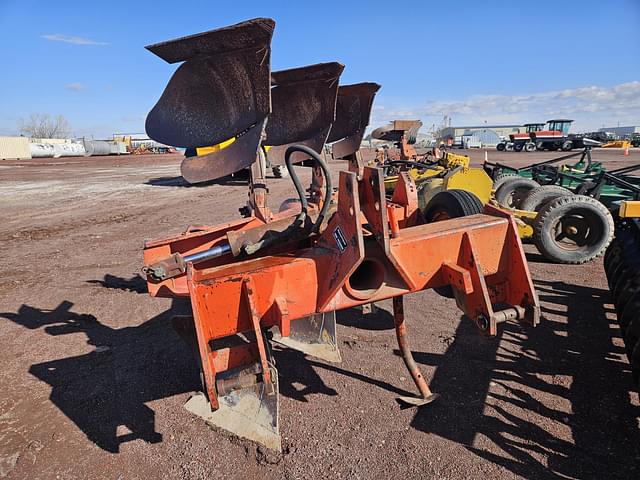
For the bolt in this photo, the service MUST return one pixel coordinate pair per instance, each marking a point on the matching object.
(571, 230)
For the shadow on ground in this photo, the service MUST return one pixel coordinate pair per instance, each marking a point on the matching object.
(135, 284)
(379, 319)
(517, 391)
(240, 178)
(104, 392)
(490, 389)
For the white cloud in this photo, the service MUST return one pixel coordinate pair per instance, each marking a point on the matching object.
(590, 106)
(58, 37)
(76, 87)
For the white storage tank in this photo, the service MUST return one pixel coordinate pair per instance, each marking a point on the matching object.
(56, 150)
(97, 147)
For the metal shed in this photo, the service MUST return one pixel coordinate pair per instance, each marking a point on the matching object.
(14, 148)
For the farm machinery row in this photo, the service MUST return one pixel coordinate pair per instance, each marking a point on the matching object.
(575, 229)
(553, 135)
(279, 277)
(569, 210)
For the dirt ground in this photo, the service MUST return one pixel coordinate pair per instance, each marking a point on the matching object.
(94, 379)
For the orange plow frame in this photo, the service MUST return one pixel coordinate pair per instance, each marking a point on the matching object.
(358, 258)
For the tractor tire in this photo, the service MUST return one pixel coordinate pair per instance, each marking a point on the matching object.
(611, 251)
(451, 204)
(517, 147)
(500, 147)
(280, 171)
(503, 177)
(539, 196)
(573, 229)
(512, 192)
(446, 205)
(509, 147)
(566, 146)
(529, 147)
(540, 146)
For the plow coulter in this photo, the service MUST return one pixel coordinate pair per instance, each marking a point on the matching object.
(280, 277)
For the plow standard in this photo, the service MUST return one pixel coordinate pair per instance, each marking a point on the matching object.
(281, 276)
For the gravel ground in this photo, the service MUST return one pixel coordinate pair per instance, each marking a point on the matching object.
(94, 379)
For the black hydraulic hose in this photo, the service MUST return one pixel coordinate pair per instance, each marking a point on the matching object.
(301, 193)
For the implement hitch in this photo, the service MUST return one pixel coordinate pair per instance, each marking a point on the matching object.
(280, 277)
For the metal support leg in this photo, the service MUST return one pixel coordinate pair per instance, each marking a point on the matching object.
(401, 332)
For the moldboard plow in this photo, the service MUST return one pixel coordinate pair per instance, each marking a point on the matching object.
(281, 276)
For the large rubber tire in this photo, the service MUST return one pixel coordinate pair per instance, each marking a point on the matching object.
(517, 147)
(536, 198)
(530, 147)
(451, 204)
(592, 222)
(611, 251)
(501, 178)
(512, 191)
(500, 147)
(508, 147)
(567, 146)
(446, 205)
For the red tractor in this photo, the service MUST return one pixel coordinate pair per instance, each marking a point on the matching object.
(555, 137)
(522, 141)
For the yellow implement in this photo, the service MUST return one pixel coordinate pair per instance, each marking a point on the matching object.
(617, 144)
(214, 148)
(453, 171)
(629, 209)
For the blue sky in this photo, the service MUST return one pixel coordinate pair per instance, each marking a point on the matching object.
(477, 61)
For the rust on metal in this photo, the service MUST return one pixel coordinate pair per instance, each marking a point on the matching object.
(353, 109)
(277, 275)
(220, 91)
(403, 342)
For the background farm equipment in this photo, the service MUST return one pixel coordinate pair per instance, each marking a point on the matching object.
(281, 276)
(595, 196)
(522, 140)
(573, 230)
(554, 137)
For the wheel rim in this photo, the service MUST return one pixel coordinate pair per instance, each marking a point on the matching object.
(578, 230)
(517, 196)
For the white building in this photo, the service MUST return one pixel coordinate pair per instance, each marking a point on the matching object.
(621, 131)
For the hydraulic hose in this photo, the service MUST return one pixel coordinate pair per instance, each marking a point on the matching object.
(300, 189)
(176, 264)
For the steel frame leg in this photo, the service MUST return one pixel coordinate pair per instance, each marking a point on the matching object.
(426, 396)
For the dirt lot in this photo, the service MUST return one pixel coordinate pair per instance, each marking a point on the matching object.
(93, 378)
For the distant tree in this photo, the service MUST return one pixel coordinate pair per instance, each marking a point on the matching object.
(42, 125)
